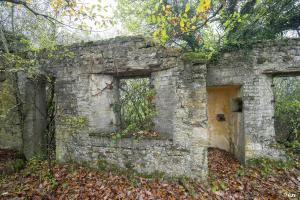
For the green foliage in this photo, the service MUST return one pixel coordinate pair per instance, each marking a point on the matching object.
(268, 166)
(295, 144)
(190, 56)
(3, 179)
(15, 41)
(185, 182)
(288, 118)
(14, 166)
(258, 20)
(37, 167)
(131, 13)
(18, 164)
(218, 185)
(7, 106)
(9, 121)
(35, 164)
(287, 109)
(240, 172)
(16, 63)
(51, 180)
(135, 106)
(180, 22)
(209, 26)
(16, 59)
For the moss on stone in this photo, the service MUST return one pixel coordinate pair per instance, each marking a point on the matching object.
(6, 97)
(10, 135)
(75, 122)
(196, 56)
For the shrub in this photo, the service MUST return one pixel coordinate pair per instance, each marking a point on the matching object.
(287, 109)
(287, 119)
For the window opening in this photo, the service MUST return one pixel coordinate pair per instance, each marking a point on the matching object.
(237, 105)
(136, 108)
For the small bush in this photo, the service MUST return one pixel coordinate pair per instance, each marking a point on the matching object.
(287, 110)
(268, 166)
(18, 165)
(35, 163)
(287, 119)
(12, 166)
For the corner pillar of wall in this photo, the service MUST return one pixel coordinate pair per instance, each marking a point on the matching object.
(35, 122)
(259, 124)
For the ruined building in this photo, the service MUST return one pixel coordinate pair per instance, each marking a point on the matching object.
(227, 104)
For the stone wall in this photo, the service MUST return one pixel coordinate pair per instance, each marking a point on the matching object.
(35, 118)
(10, 133)
(254, 70)
(87, 89)
(30, 141)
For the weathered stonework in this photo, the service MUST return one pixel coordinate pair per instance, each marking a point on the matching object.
(10, 134)
(253, 70)
(86, 89)
(87, 86)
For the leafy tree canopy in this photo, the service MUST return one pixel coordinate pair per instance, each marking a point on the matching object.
(209, 24)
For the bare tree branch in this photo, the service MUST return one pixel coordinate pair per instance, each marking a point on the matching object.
(210, 18)
(49, 18)
(23, 3)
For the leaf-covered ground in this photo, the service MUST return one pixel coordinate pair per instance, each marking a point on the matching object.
(10, 161)
(266, 179)
(7, 155)
(227, 180)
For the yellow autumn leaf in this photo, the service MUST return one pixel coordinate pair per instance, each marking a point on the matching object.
(164, 35)
(181, 23)
(194, 19)
(187, 8)
(155, 34)
(203, 6)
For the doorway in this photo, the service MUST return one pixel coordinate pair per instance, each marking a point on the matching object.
(225, 119)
